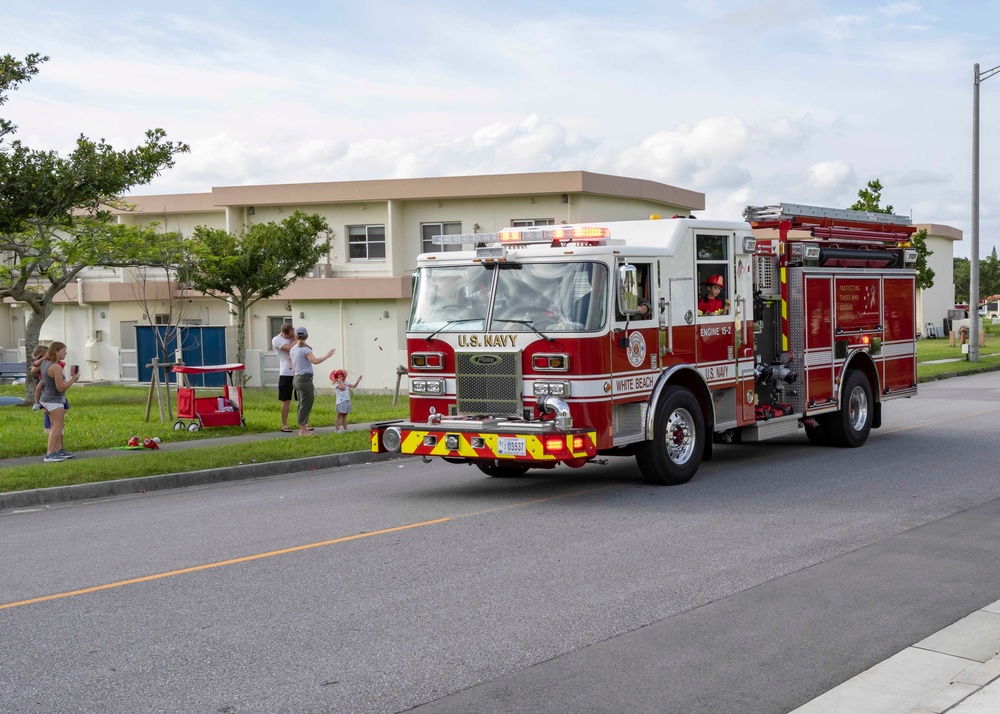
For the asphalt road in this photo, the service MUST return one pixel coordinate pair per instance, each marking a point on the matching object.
(781, 570)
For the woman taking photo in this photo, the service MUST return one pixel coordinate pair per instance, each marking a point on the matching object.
(303, 359)
(53, 398)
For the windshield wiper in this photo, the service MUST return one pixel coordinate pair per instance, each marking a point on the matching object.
(452, 322)
(529, 326)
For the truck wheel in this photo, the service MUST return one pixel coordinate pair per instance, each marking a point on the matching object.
(851, 425)
(675, 452)
(492, 468)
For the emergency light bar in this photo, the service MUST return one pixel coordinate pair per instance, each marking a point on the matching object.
(464, 238)
(555, 235)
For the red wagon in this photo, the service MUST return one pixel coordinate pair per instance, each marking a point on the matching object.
(225, 409)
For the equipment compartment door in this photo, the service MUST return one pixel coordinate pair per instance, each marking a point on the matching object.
(818, 348)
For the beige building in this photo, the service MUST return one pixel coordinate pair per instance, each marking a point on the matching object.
(934, 303)
(357, 298)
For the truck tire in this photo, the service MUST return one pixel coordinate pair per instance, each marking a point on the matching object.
(850, 426)
(675, 452)
(492, 468)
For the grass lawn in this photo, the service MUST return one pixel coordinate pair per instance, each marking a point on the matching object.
(101, 417)
(939, 349)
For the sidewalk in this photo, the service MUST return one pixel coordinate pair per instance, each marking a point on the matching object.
(956, 670)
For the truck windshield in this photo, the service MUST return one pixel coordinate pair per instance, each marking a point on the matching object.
(519, 297)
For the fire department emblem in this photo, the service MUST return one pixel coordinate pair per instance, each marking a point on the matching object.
(636, 349)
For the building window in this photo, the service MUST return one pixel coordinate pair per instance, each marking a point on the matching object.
(366, 242)
(529, 222)
(429, 230)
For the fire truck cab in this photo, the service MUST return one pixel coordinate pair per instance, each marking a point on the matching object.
(657, 339)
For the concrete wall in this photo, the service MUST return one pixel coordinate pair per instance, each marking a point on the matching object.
(934, 303)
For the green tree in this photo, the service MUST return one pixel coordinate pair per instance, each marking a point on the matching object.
(870, 200)
(989, 275)
(257, 264)
(962, 271)
(55, 211)
(925, 275)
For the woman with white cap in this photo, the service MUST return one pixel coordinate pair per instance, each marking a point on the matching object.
(303, 359)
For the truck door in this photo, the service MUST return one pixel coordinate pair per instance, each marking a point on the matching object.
(635, 358)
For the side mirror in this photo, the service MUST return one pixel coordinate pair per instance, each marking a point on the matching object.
(628, 290)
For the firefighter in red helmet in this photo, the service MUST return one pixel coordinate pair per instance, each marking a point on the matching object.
(713, 303)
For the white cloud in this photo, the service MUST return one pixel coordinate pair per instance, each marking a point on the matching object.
(899, 9)
(716, 153)
(757, 100)
(829, 179)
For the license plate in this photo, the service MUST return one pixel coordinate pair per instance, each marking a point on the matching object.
(510, 446)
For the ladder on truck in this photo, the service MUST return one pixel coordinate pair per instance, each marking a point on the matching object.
(827, 224)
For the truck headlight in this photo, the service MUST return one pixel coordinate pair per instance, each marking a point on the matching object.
(427, 386)
(554, 388)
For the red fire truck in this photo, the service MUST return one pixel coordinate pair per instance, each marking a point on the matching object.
(657, 339)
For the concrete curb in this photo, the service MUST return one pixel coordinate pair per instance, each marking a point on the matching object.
(143, 484)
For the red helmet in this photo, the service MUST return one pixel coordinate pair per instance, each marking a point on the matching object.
(150, 444)
(715, 280)
(134, 441)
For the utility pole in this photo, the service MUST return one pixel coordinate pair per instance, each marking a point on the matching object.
(978, 77)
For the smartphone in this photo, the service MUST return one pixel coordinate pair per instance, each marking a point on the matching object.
(74, 370)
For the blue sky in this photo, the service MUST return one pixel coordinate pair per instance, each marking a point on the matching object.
(748, 102)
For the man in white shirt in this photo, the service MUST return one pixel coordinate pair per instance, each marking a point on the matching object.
(282, 343)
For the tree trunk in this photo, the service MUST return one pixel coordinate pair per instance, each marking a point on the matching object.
(31, 332)
(241, 336)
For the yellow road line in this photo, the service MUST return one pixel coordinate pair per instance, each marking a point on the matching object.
(284, 551)
(294, 549)
(209, 566)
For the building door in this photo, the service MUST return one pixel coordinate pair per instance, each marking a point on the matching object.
(200, 345)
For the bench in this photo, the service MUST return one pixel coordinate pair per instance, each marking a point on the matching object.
(12, 370)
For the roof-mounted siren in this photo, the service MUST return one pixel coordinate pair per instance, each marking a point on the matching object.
(556, 236)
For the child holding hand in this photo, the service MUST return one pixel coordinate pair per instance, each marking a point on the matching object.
(36, 371)
(339, 377)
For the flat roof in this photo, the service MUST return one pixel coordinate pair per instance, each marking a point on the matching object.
(483, 186)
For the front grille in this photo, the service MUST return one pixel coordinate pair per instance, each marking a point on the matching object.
(488, 383)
